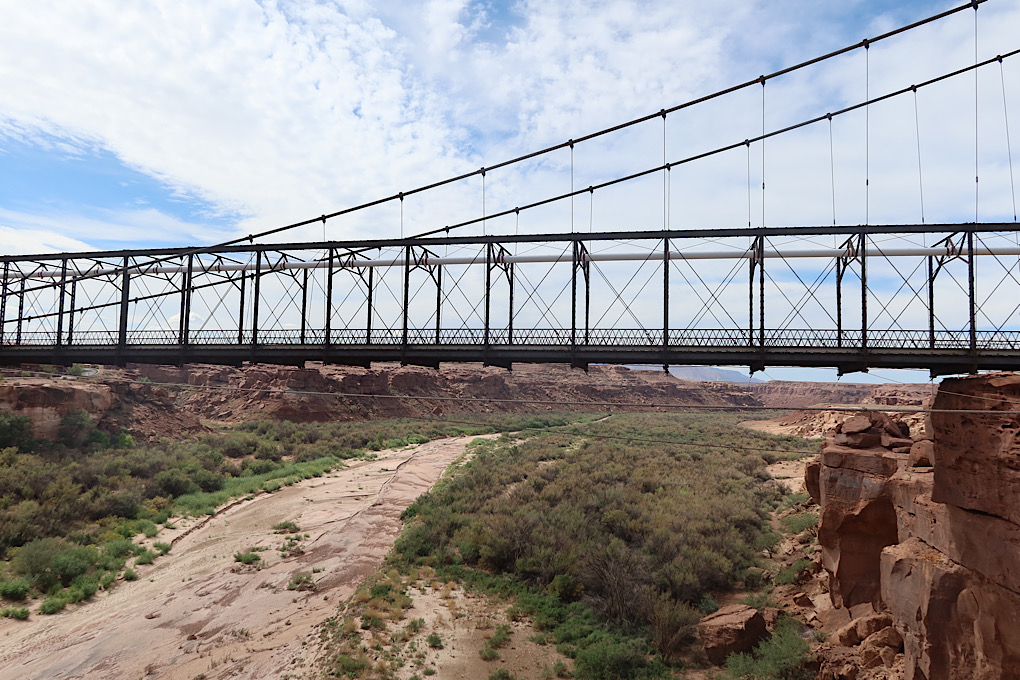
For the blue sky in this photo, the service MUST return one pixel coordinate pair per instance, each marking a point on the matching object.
(172, 123)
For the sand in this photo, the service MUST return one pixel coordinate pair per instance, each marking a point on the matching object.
(197, 613)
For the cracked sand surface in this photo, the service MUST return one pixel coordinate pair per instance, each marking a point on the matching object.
(198, 612)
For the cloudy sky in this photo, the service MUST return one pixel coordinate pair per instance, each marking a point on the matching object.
(179, 122)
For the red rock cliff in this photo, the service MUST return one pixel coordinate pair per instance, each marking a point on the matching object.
(937, 547)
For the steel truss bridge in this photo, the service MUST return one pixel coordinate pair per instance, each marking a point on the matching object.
(941, 296)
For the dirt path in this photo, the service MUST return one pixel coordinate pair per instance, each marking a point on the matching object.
(198, 613)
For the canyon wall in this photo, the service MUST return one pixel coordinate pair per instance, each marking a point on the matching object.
(167, 401)
(927, 529)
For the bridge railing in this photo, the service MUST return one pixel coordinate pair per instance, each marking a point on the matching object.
(847, 339)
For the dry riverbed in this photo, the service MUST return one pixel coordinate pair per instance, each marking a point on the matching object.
(198, 613)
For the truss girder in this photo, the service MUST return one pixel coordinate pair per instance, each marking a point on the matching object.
(876, 299)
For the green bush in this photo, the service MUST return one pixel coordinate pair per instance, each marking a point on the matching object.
(488, 654)
(434, 641)
(795, 524)
(52, 605)
(162, 546)
(147, 557)
(610, 660)
(16, 431)
(18, 613)
(248, 558)
(790, 574)
(15, 590)
(130, 575)
(784, 656)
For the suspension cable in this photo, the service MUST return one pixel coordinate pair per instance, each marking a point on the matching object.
(832, 171)
(920, 178)
(867, 132)
(1009, 151)
(528, 156)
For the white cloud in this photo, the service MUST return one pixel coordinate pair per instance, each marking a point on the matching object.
(282, 110)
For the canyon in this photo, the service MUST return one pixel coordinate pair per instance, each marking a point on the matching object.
(919, 537)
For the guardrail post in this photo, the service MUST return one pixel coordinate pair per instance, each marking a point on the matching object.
(751, 261)
(255, 302)
(21, 308)
(439, 299)
(125, 291)
(185, 328)
(586, 270)
(761, 292)
(60, 303)
(70, 313)
(862, 249)
(304, 303)
(407, 289)
(510, 323)
(240, 309)
(3, 301)
(573, 296)
(665, 294)
(371, 286)
(970, 291)
(840, 269)
(488, 290)
(327, 340)
(931, 302)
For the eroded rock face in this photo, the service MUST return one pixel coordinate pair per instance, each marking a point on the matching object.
(950, 575)
(977, 457)
(858, 518)
(956, 624)
(46, 401)
(732, 629)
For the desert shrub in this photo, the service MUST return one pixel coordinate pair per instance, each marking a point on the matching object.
(172, 483)
(16, 431)
(130, 575)
(235, 445)
(673, 625)
(147, 557)
(434, 641)
(75, 428)
(784, 656)
(119, 548)
(791, 573)
(162, 546)
(17, 613)
(249, 557)
(253, 466)
(610, 660)
(795, 524)
(15, 590)
(52, 605)
(206, 480)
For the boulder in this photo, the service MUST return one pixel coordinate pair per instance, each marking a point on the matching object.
(855, 424)
(892, 442)
(922, 453)
(734, 628)
(857, 630)
(811, 471)
(858, 440)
